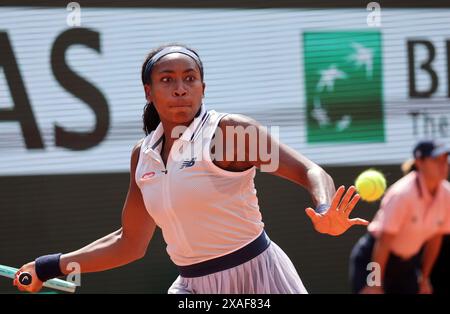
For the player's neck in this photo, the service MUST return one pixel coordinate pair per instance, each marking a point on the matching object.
(169, 134)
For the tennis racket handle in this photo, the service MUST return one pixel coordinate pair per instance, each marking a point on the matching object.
(26, 279)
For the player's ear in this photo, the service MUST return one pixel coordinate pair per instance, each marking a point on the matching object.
(148, 93)
(204, 87)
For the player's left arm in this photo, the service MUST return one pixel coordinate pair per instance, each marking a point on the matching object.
(266, 152)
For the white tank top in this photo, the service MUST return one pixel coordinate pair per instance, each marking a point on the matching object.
(204, 211)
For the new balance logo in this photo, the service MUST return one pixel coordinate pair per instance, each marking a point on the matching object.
(188, 163)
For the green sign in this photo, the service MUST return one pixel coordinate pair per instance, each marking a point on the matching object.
(343, 83)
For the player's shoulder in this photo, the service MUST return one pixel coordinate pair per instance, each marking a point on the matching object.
(137, 147)
(135, 152)
(234, 120)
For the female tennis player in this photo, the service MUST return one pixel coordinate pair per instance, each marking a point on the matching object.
(187, 179)
(405, 237)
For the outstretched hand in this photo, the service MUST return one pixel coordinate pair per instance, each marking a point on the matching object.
(335, 221)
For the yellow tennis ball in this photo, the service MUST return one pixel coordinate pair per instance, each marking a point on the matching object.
(370, 185)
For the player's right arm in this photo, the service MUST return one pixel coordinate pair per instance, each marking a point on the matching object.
(118, 248)
(125, 245)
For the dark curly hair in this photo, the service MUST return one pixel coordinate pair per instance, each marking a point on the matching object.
(150, 117)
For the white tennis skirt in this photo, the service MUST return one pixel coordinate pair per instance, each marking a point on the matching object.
(271, 272)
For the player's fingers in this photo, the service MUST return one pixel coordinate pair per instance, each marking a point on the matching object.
(21, 288)
(311, 214)
(16, 278)
(344, 202)
(28, 288)
(358, 221)
(337, 197)
(352, 204)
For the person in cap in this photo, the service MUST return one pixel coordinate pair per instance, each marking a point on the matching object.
(404, 239)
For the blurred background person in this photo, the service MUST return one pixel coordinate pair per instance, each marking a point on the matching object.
(404, 239)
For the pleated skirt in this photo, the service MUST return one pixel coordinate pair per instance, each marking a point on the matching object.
(271, 272)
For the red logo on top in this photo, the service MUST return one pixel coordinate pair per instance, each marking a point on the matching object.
(147, 175)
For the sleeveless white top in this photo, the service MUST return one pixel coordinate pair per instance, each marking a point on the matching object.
(204, 211)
